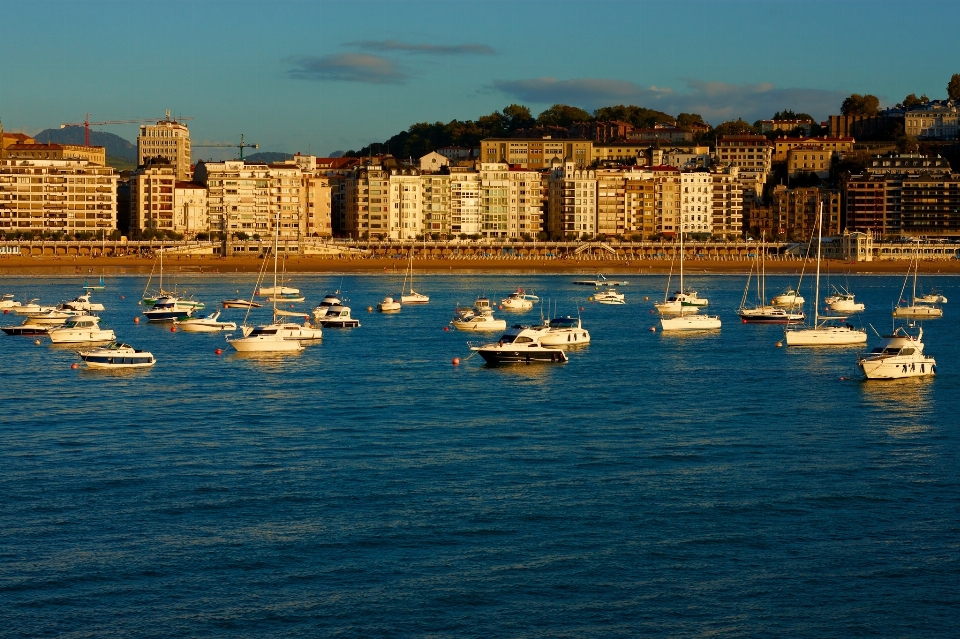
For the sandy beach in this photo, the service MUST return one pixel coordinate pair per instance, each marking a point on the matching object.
(72, 265)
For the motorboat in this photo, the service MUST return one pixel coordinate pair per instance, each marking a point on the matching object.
(239, 303)
(600, 280)
(407, 294)
(921, 307)
(482, 321)
(32, 308)
(609, 296)
(832, 331)
(286, 297)
(519, 301)
(788, 299)
(338, 317)
(27, 328)
(520, 345)
(305, 332)
(7, 302)
(117, 355)
(205, 324)
(82, 303)
(565, 331)
(843, 301)
(280, 294)
(482, 305)
(690, 322)
(168, 308)
(328, 301)
(265, 339)
(83, 328)
(898, 355)
(54, 317)
(932, 298)
(389, 305)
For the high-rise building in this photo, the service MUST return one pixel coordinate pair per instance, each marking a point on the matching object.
(368, 202)
(727, 203)
(795, 212)
(573, 201)
(405, 208)
(465, 204)
(696, 206)
(167, 139)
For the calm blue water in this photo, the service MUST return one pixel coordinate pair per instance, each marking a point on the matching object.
(655, 485)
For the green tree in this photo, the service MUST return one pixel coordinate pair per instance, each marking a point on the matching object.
(686, 119)
(787, 114)
(953, 87)
(733, 127)
(637, 116)
(518, 116)
(912, 101)
(562, 115)
(858, 104)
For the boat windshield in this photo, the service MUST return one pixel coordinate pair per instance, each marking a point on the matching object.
(563, 322)
(508, 339)
(263, 331)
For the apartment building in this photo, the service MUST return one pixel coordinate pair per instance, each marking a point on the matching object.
(935, 120)
(318, 192)
(167, 139)
(696, 205)
(795, 212)
(835, 146)
(621, 152)
(749, 153)
(572, 196)
(786, 125)
(465, 202)
(57, 195)
(930, 206)
(667, 199)
(661, 132)
(536, 153)
(495, 200)
(640, 214)
(809, 158)
(612, 211)
(92, 154)
(873, 204)
(907, 163)
(368, 202)
(728, 203)
(405, 205)
(190, 213)
(436, 203)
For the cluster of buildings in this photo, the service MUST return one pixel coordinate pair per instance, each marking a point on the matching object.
(615, 181)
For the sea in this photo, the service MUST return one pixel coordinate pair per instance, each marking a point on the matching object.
(656, 485)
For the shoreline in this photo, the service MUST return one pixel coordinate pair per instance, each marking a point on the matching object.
(131, 265)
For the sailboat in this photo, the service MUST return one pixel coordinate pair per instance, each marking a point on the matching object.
(94, 287)
(688, 320)
(923, 307)
(269, 338)
(410, 296)
(832, 331)
(762, 313)
(151, 298)
(281, 293)
(681, 301)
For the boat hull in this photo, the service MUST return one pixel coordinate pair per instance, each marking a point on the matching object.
(206, 327)
(566, 337)
(691, 323)
(26, 329)
(918, 311)
(491, 325)
(240, 304)
(897, 367)
(257, 345)
(829, 336)
(69, 336)
(509, 354)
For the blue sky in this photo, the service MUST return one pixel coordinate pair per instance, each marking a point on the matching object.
(321, 76)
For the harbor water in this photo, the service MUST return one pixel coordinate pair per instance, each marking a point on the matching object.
(654, 485)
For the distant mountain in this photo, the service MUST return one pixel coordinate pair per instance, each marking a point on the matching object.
(116, 146)
(268, 157)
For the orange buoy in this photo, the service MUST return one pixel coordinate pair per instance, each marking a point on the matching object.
(653, 329)
(779, 344)
(173, 329)
(646, 298)
(76, 366)
(446, 328)
(37, 342)
(369, 309)
(136, 320)
(123, 297)
(219, 352)
(5, 311)
(456, 361)
(581, 308)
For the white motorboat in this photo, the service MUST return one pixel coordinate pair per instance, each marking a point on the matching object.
(761, 312)
(843, 301)
(519, 301)
(932, 298)
(408, 295)
(832, 331)
(921, 307)
(521, 345)
(27, 328)
(205, 324)
(788, 299)
(479, 321)
(54, 317)
(609, 296)
(83, 328)
(168, 308)
(389, 305)
(117, 355)
(328, 301)
(565, 331)
(82, 303)
(7, 302)
(898, 355)
(276, 291)
(239, 303)
(601, 280)
(339, 317)
(32, 308)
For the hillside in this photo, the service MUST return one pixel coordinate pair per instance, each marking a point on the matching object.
(116, 146)
(268, 156)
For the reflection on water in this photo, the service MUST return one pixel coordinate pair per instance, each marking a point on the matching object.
(905, 403)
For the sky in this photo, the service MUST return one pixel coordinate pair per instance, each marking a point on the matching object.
(320, 76)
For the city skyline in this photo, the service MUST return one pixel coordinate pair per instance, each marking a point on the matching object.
(322, 77)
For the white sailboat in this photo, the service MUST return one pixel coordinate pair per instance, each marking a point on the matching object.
(923, 307)
(688, 320)
(763, 313)
(682, 301)
(410, 296)
(832, 331)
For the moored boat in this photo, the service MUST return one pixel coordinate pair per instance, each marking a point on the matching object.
(83, 328)
(117, 355)
(205, 324)
(520, 345)
(389, 305)
(565, 331)
(898, 355)
(338, 317)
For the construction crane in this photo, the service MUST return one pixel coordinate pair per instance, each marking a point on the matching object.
(227, 145)
(86, 124)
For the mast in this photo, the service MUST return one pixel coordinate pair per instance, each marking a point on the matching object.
(816, 297)
(916, 271)
(276, 237)
(762, 282)
(161, 270)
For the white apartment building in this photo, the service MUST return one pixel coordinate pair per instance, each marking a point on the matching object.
(436, 203)
(69, 196)
(494, 199)
(151, 197)
(573, 201)
(406, 215)
(190, 209)
(936, 120)
(166, 139)
(667, 199)
(527, 199)
(696, 205)
(464, 202)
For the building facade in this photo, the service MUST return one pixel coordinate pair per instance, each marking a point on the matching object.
(696, 205)
(572, 201)
(536, 153)
(936, 120)
(167, 139)
(727, 203)
(836, 146)
(795, 212)
(92, 154)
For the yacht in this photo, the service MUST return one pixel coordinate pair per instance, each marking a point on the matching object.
(339, 317)
(328, 301)
(168, 308)
(788, 299)
(921, 307)
(205, 324)
(932, 298)
(565, 331)
(389, 305)
(520, 345)
(408, 295)
(27, 328)
(600, 280)
(117, 355)
(761, 312)
(843, 301)
(682, 301)
(239, 303)
(519, 301)
(7, 302)
(690, 322)
(609, 296)
(479, 321)
(54, 317)
(32, 308)
(83, 328)
(82, 303)
(897, 356)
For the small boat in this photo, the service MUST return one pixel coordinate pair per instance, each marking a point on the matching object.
(82, 303)
(205, 324)
(682, 301)
(290, 297)
(32, 308)
(932, 298)
(565, 331)
(609, 296)
(117, 355)
(83, 328)
(897, 356)
(389, 305)
(339, 317)
(843, 301)
(788, 299)
(480, 321)
(408, 295)
(921, 307)
(690, 322)
(328, 301)
(600, 280)
(770, 315)
(238, 303)
(519, 301)
(265, 339)
(7, 302)
(54, 317)
(94, 287)
(305, 332)
(521, 345)
(168, 308)
(26, 328)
